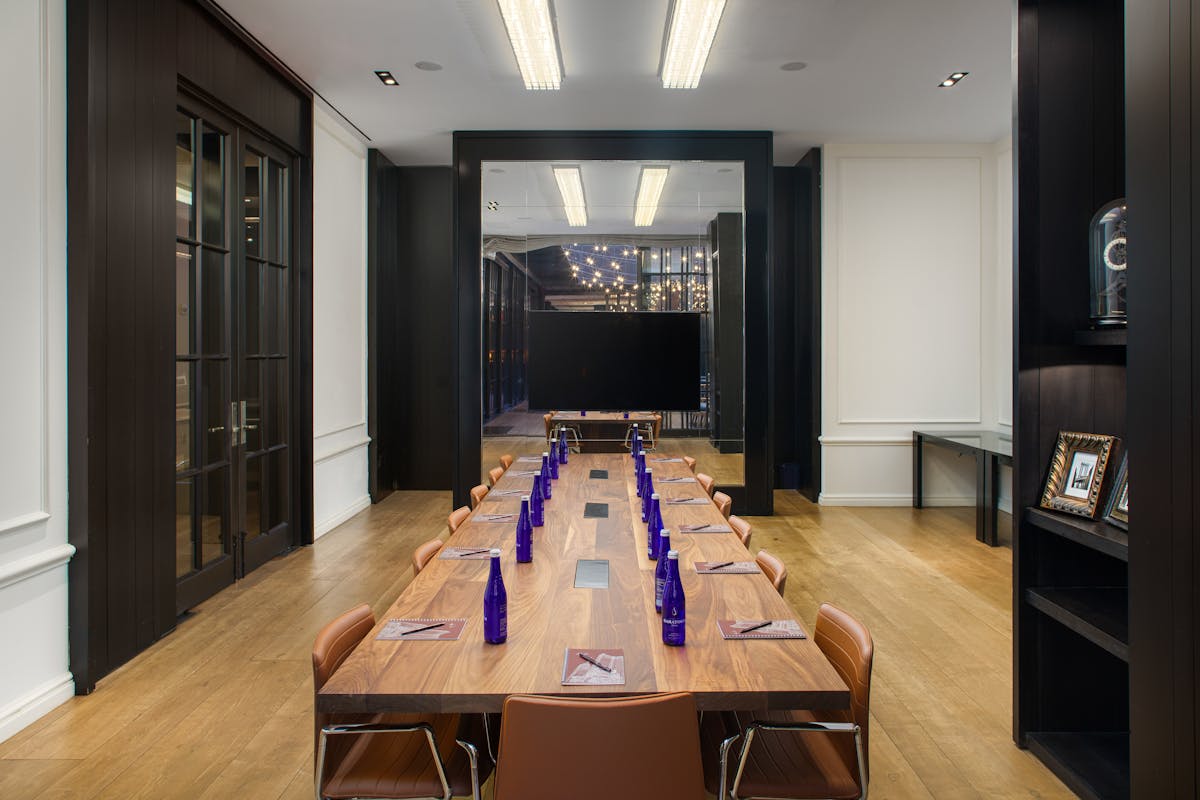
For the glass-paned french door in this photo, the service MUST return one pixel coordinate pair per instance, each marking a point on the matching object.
(232, 352)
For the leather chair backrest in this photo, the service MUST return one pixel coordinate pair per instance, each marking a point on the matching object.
(773, 568)
(691, 463)
(546, 419)
(635, 748)
(424, 554)
(724, 503)
(707, 483)
(506, 461)
(741, 528)
(496, 473)
(334, 643)
(657, 426)
(477, 495)
(847, 644)
(457, 517)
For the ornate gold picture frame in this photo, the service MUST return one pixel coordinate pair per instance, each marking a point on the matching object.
(1118, 498)
(1077, 473)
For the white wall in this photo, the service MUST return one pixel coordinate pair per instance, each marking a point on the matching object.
(339, 321)
(33, 323)
(914, 328)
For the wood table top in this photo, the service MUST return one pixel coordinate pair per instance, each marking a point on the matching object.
(546, 614)
(602, 416)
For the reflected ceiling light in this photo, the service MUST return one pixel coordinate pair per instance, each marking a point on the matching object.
(570, 186)
(386, 77)
(650, 186)
(691, 28)
(534, 39)
(953, 80)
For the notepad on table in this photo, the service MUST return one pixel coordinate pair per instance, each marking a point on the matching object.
(723, 568)
(683, 479)
(425, 630)
(687, 501)
(705, 528)
(666, 460)
(506, 493)
(496, 518)
(755, 629)
(593, 667)
(465, 553)
(538, 459)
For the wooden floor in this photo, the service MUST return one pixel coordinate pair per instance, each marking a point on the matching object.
(221, 708)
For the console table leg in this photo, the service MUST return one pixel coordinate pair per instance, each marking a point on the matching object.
(981, 494)
(917, 468)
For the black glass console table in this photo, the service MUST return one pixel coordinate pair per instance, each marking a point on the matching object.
(990, 449)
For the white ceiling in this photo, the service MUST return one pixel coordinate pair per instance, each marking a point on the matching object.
(873, 69)
(528, 201)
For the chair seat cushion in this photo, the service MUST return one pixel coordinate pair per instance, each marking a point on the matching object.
(400, 765)
(781, 763)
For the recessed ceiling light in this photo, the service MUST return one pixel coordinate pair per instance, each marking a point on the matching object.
(386, 77)
(496, 170)
(650, 186)
(428, 66)
(691, 28)
(793, 66)
(493, 205)
(534, 38)
(953, 79)
(570, 186)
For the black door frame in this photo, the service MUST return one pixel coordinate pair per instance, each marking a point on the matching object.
(753, 148)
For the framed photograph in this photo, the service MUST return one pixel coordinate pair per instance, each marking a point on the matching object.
(1077, 473)
(1118, 499)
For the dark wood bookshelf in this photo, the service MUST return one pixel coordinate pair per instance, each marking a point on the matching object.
(1103, 337)
(1094, 765)
(1093, 533)
(1099, 614)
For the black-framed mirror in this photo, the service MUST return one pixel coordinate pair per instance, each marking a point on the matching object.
(473, 151)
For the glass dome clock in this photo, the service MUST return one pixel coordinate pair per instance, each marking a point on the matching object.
(1108, 265)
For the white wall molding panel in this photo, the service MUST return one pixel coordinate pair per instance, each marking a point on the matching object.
(33, 324)
(913, 323)
(339, 321)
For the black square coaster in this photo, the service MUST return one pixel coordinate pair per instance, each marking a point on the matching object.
(595, 510)
(598, 474)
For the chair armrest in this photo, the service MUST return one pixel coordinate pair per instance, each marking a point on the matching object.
(376, 727)
(806, 727)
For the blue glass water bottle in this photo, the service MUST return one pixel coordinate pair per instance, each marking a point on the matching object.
(647, 491)
(524, 533)
(495, 605)
(635, 443)
(563, 449)
(554, 461)
(544, 477)
(654, 524)
(674, 616)
(662, 569)
(639, 470)
(536, 510)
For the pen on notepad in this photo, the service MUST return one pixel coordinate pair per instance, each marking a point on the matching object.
(474, 552)
(594, 662)
(720, 566)
(427, 627)
(755, 627)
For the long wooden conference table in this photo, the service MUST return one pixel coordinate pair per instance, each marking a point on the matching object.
(547, 614)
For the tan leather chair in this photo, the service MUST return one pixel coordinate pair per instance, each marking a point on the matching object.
(384, 755)
(804, 754)
(691, 463)
(707, 483)
(741, 528)
(457, 517)
(773, 568)
(477, 494)
(724, 503)
(657, 427)
(506, 461)
(424, 554)
(546, 418)
(634, 748)
(496, 473)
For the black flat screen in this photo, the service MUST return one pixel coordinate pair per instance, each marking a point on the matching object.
(610, 361)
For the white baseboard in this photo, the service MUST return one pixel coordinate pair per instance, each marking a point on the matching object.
(33, 705)
(898, 500)
(325, 526)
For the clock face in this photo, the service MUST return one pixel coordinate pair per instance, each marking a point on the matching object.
(1114, 253)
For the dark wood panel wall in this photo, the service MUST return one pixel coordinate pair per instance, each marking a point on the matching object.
(383, 254)
(125, 62)
(1163, 91)
(411, 317)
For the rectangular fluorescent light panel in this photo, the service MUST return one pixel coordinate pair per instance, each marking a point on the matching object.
(531, 31)
(690, 33)
(650, 186)
(570, 186)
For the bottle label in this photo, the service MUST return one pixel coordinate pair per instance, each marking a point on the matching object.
(659, 583)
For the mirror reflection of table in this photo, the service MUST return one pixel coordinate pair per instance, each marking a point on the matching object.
(990, 449)
(602, 431)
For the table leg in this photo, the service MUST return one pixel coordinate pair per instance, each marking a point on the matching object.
(981, 493)
(991, 530)
(918, 478)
